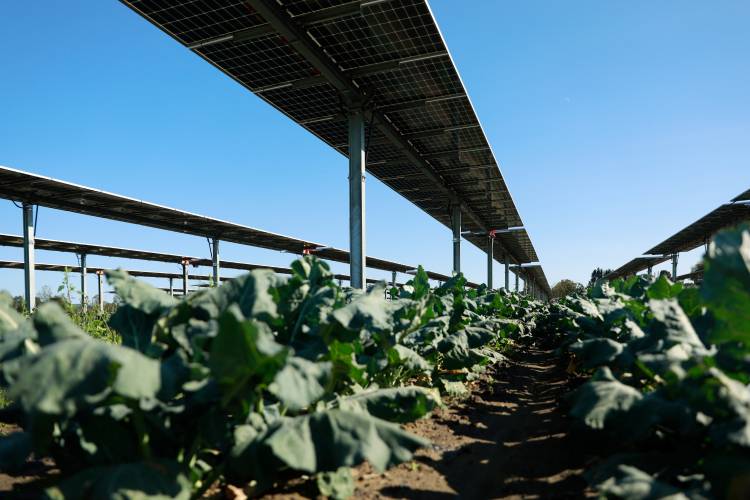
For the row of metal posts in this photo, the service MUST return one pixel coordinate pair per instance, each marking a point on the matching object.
(674, 258)
(30, 266)
(357, 244)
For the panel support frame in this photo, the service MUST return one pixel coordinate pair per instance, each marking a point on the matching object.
(357, 164)
(84, 288)
(215, 262)
(456, 227)
(29, 273)
(490, 259)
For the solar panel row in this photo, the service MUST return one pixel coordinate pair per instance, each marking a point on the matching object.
(314, 60)
(694, 235)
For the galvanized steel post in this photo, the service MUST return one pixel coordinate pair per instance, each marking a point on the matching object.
(456, 226)
(674, 266)
(84, 288)
(357, 198)
(490, 260)
(100, 288)
(215, 257)
(517, 271)
(507, 271)
(185, 263)
(28, 256)
(171, 287)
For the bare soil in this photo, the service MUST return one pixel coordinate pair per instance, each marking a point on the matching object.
(509, 439)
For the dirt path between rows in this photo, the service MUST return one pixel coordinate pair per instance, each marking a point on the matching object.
(509, 440)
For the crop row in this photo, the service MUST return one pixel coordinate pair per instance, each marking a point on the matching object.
(250, 383)
(669, 369)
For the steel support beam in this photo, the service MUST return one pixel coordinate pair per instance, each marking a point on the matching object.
(506, 258)
(100, 289)
(650, 270)
(28, 256)
(215, 261)
(456, 226)
(84, 288)
(185, 278)
(298, 38)
(393, 278)
(171, 287)
(357, 162)
(490, 259)
(516, 281)
(675, 256)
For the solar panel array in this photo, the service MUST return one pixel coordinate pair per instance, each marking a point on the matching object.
(536, 274)
(11, 264)
(635, 265)
(39, 190)
(696, 234)
(700, 231)
(127, 253)
(312, 58)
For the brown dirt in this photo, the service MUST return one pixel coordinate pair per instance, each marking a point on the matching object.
(508, 440)
(32, 472)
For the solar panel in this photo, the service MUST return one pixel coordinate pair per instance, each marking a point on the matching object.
(53, 193)
(635, 266)
(9, 264)
(310, 59)
(701, 231)
(696, 234)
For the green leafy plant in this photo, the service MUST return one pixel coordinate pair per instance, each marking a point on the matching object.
(670, 376)
(244, 383)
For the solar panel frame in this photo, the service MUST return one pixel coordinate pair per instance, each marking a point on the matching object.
(53, 193)
(390, 34)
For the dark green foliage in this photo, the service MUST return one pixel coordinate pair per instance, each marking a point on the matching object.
(672, 371)
(243, 382)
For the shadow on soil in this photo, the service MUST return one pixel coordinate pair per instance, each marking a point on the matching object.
(521, 443)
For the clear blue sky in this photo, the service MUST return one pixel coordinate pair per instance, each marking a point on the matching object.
(615, 124)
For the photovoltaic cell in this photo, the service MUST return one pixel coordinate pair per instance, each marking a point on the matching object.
(393, 52)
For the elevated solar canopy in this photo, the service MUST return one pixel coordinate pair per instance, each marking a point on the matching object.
(535, 279)
(31, 189)
(538, 280)
(372, 79)
(699, 232)
(635, 265)
(99, 271)
(53, 193)
(696, 234)
(127, 253)
(12, 264)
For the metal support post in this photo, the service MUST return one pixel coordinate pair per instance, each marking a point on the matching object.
(28, 256)
(490, 260)
(100, 289)
(516, 280)
(456, 226)
(357, 163)
(185, 263)
(215, 257)
(171, 287)
(675, 256)
(84, 289)
(506, 257)
(393, 278)
(650, 271)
